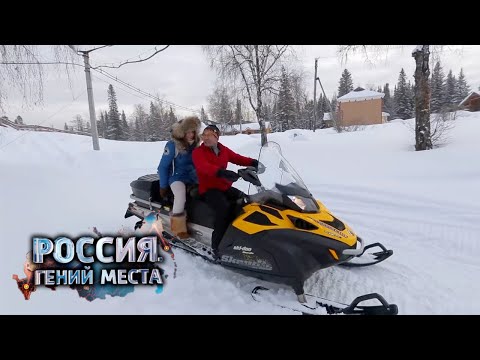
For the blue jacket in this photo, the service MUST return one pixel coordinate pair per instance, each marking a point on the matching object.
(176, 168)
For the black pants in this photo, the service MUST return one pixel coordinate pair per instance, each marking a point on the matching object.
(225, 205)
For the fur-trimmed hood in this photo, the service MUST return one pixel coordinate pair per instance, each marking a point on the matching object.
(180, 128)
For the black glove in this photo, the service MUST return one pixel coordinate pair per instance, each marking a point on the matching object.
(259, 167)
(228, 174)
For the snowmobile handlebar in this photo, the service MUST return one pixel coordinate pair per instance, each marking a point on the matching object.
(249, 174)
(355, 252)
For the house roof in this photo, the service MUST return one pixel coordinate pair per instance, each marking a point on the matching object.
(468, 96)
(360, 96)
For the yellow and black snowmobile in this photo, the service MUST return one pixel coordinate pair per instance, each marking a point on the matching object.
(280, 233)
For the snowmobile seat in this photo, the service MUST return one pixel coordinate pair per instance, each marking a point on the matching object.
(147, 187)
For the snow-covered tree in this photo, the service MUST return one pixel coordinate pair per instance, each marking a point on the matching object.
(115, 130)
(345, 84)
(463, 89)
(451, 86)
(286, 104)
(437, 88)
(125, 129)
(401, 97)
(388, 105)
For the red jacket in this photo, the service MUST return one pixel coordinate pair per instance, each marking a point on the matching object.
(207, 164)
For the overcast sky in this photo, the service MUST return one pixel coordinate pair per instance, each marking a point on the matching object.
(181, 75)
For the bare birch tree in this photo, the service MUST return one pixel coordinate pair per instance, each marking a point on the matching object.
(22, 69)
(258, 68)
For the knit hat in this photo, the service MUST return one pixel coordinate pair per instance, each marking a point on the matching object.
(214, 129)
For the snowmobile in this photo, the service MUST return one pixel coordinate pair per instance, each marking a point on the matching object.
(280, 233)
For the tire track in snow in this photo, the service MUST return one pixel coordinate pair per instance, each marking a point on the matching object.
(414, 277)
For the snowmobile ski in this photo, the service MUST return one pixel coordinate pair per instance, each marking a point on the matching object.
(369, 258)
(316, 305)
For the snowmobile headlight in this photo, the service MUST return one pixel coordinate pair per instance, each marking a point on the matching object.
(305, 204)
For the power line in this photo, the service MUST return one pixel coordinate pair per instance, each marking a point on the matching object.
(128, 92)
(114, 78)
(40, 63)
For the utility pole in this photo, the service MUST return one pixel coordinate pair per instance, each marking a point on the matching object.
(93, 120)
(91, 106)
(315, 97)
(328, 102)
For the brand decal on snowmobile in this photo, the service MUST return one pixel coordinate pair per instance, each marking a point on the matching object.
(242, 248)
(260, 264)
(338, 232)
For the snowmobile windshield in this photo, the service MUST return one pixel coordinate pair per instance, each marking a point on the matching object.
(281, 184)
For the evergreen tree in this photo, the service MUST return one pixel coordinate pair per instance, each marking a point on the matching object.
(65, 127)
(115, 130)
(308, 114)
(286, 103)
(106, 126)
(450, 90)
(132, 126)
(154, 123)
(334, 103)
(462, 87)
(437, 86)
(411, 100)
(346, 83)
(141, 123)
(387, 101)
(172, 118)
(275, 125)
(101, 125)
(401, 97)
(125, 129)
(322, 108)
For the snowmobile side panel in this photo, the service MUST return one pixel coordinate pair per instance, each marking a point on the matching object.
(257, 218)
(280, 255)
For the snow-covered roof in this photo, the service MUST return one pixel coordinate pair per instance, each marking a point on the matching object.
(385, 113)
(360, 96)
(471, 93)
